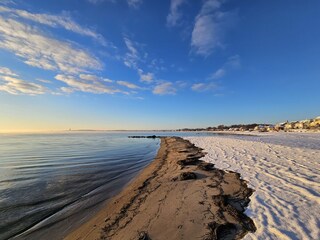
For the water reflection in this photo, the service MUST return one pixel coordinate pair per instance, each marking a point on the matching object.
(45, 178)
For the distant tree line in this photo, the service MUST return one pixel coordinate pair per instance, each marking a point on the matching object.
(244, 127)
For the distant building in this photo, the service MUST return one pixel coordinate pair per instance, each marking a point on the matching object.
(315, 123)
(299, 125)
(261, 128)
(289, 125)
(280, 126)
(271, 128)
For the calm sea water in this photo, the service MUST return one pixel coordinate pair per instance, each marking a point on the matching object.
(49, 183)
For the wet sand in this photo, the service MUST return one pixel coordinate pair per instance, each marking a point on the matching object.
(177, 196)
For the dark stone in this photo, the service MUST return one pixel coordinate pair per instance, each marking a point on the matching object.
(248, 224)
(143, 236)
(187, 176)
(206, 166)
(226, 231)
(189, 161)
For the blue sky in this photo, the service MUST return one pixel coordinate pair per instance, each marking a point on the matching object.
(151, 64)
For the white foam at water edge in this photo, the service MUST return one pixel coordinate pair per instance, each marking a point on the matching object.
(286, 201)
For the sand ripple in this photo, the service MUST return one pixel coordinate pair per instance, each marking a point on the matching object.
(286, 204)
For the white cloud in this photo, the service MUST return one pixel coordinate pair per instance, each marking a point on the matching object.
(174, 14)
(132, 57)
(218, 74)
(145, 77)
(94, 78)
(128, 85)
(107, 80)
(233, 62)
(44, 52)
(209, 28)
(89, 77)
(164, 88)
(201, 87)
(43, 80)
(157, 65)
(148, 77)
(181, 84)
(17, 86)
(56, 21)
(134, 3)
(7, 72)
(67, 89)
(85, 85)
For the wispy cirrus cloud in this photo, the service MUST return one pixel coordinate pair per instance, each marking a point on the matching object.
(210, 27)
(73, 65)
(132, 57)
(7, 72)
(201, 87)
(233, 62)
(164, 88)
(83, 83)
(131, 3)
(56, 21)
(128, 84)
(43, 80)
(175, 14)
(91, 77)
(16, 86)
(40, 51)
(218, 74)
(134, 3)
(10, 82)
(145, 77)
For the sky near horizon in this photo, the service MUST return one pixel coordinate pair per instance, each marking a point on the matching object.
(151, 64)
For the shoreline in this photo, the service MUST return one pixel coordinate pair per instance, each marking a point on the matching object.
(177, 196)
(284, 171)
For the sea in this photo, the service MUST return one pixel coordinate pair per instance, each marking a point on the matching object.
(51, 183)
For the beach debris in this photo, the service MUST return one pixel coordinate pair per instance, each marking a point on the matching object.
(187, 176)
(192, 159)
(218, 231)
(226, 231)
(174, 179)
(206, 166)
(223, 204)
(143, 236)
(188, 161)
(235, 207)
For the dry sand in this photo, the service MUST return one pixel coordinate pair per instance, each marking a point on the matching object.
(162, 203)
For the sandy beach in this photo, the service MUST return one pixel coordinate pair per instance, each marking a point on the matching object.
(177, 196)
(162, 120)
(283, 168)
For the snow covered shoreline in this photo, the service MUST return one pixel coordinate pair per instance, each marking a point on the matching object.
(285, 173)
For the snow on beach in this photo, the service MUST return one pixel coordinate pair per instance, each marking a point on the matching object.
(284, 174)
